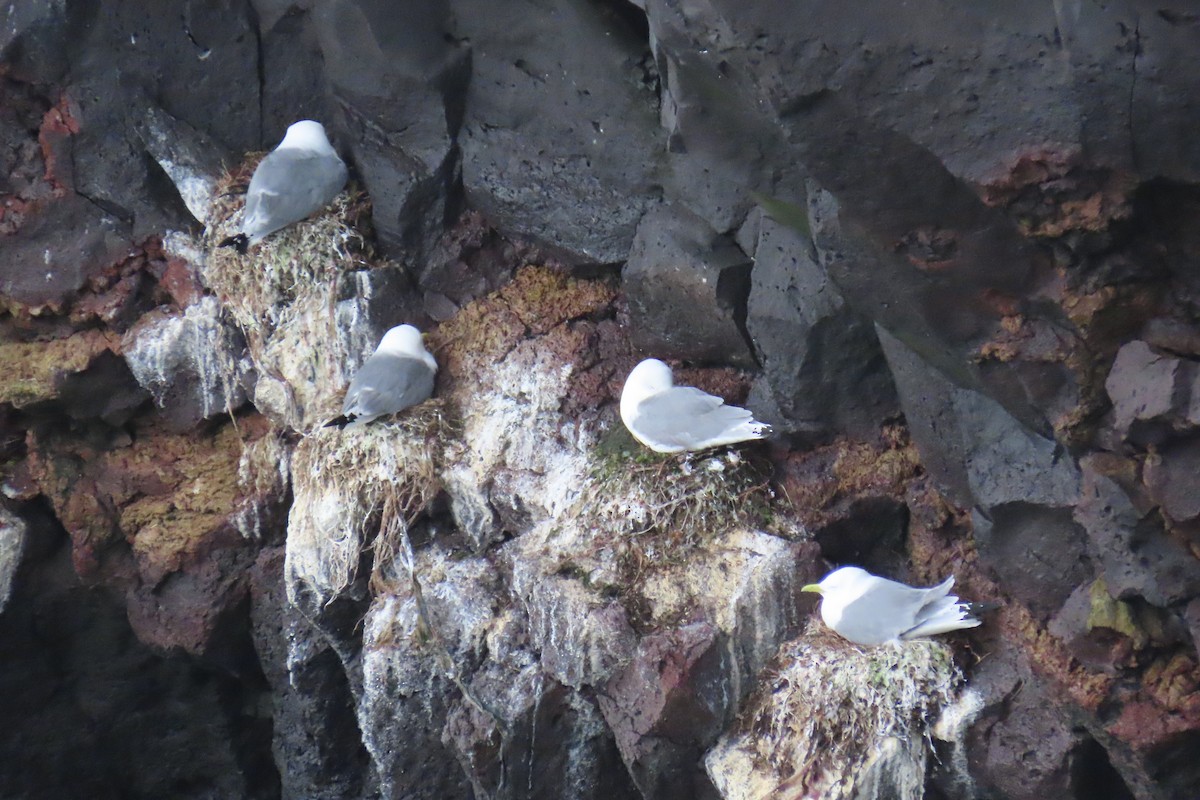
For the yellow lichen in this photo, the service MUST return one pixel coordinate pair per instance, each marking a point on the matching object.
(1105, 611)
(32, 370)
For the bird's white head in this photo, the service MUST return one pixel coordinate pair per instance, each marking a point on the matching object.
(402, 340)
(647, 379)
(306, 135)
(837, 580)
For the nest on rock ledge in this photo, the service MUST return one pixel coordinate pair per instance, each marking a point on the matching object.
(277, 274)
(300, 285)
(831, 711)
(362, 487)
(672, 503)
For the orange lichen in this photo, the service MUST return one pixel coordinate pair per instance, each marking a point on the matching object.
(821, 481)
(58, 123)
(1051, 658)
(1050, 194)
(171, 496)
(543, 298)
(537, 300)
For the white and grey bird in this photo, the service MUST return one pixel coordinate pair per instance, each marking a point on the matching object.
(398, 374)
(869, 610)
(303, 174)
(671, 419)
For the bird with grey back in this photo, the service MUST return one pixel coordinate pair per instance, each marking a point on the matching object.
(673, 419)
(870, 610)
(302, 175)
(399, 374)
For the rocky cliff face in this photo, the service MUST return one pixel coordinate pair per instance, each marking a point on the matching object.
(948, 250)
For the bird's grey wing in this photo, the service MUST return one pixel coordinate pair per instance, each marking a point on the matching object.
(883, 612)
(288, 186)
(386, 384)
(686, 416)
(937, 600)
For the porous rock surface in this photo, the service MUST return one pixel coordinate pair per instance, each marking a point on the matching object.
(948, 250)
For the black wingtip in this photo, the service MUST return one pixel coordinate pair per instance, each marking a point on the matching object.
(240, 242)
(338, 422)
(984, 607)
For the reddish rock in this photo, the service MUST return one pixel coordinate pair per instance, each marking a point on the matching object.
(179, 280)
(1144, 724)
(158, 515)
(59, 124)
(669, 705)
(44, 267)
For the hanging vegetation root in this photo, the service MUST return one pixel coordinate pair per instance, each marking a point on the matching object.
(361, 488)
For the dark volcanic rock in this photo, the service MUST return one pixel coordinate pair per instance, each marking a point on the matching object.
(291, 76)
(1023, 721)
(978, 452)
(1109, 634)
(105, 390)
(721, 145)
(103, 184)
(399, 80)
(93, 713)
(940, 278)
(983, 216)
(166, 519)
(148, 46)
(1147, 389)
(44, 267)
(554, 146)
(822, 369)
(556, 748)
(1037, 553)
(687, 287)
(868, 533)
(191, 160)
(1022, 485)
(316, 742)
(1127, 537)
(1170, 477)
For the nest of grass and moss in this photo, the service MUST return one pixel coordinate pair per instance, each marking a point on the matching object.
(828, 703)
(684, 499)
(260, 285)
(656, 512)
(380, 478)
